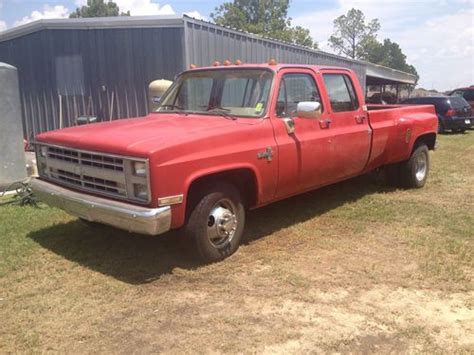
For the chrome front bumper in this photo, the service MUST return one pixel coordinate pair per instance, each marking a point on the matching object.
(121, 215)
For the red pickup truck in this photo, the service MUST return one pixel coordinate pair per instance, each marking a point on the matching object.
(226, 139)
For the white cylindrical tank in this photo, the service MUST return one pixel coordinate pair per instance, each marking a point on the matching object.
(12, 155)
(156, 89)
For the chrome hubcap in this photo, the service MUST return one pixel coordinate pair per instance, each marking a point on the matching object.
(222, 223)
(420, 167)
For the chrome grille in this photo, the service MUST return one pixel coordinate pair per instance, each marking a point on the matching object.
(88, 182)
(83, 158)
(90, 171)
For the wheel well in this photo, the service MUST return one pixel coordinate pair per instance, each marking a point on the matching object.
(429, 139)
(243, 179)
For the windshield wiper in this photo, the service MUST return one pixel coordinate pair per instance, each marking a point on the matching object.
(224, 112)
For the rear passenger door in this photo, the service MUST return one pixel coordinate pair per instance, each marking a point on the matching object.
(351, 134)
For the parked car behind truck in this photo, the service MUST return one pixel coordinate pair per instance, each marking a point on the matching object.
(225, 140)
(466, 93)
(454, 112)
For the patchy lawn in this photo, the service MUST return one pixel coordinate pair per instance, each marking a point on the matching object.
(353, 267)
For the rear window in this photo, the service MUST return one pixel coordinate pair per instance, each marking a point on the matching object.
(458, 102)
(467, 94)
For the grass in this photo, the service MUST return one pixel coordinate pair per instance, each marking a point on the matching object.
(353, 267)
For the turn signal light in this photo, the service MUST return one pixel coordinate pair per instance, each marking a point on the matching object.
(170, 200)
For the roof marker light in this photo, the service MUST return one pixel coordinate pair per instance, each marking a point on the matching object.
(216, 63)
(193, 66)
(227, 62)
(272, 62)
(238, 62)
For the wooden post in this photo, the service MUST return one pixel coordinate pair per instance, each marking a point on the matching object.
(111, 110)
(60, 111)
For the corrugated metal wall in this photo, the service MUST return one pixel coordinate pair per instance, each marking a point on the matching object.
(206, 43)
(105, 71)
(99, 72)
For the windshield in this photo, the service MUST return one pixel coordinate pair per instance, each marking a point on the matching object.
(230, 92)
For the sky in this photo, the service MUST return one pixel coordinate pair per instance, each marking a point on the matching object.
(436, 35)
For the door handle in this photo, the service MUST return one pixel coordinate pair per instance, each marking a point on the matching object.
(360, 119)
(325, 124)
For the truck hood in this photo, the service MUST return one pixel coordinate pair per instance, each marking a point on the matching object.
(145, 135)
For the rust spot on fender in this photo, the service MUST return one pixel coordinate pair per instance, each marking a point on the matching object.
(408, 135)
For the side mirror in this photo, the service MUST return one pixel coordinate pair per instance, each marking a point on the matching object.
(308, 109)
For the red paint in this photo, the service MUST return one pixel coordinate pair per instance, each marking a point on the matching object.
(182, 148)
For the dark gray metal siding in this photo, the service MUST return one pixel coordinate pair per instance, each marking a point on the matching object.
(102, 66)
(102, 72)
(206, 43)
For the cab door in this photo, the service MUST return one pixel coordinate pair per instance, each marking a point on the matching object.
(304, 154)
(349, 125)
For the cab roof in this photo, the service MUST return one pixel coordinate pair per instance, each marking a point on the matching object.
(272, 67)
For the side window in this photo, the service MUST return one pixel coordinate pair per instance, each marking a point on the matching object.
(352, 93)
(341, 92)
(295, 88)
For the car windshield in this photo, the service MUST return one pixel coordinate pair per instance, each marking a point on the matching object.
(228, 92)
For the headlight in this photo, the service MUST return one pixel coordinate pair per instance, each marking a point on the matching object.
(140, 191)
(139, 169)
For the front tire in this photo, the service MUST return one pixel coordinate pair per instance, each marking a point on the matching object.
(216, 223)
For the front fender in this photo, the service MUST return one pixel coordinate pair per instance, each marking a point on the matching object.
(188, 175)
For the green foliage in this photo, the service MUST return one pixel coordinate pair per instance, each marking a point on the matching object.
(390, 55)
(352, 34)
(357, 39)
(264, 17)
(98, 8)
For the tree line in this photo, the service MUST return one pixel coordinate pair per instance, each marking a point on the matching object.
(353, 36)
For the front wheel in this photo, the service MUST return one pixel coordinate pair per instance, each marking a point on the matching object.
(216, 223)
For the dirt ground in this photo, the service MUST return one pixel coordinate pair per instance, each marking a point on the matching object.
(356, 267)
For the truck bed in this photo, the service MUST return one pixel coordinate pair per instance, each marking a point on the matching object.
(393, 130)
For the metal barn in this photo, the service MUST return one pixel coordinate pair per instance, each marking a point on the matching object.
(102, 66)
